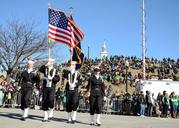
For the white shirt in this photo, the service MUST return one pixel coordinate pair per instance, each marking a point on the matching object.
(29, 70)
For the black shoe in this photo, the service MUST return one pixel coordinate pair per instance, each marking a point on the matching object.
(73, 121)
(50, 118)
(45, 121)
(69, 122)
(23, 118)
(91, 123)
(98, 124)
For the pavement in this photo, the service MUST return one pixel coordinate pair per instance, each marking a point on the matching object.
(10, 118)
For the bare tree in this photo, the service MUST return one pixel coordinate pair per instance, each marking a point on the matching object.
(18, 42)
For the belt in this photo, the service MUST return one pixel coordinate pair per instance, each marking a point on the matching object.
(97, 89)
(28, 82)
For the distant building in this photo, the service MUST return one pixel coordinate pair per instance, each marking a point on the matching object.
(104, 53)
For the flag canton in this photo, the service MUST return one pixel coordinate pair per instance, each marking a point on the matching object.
(58, 19)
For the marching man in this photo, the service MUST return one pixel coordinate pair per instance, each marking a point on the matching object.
(51, 77)
(72, 100)
(27, 80)
(96, 88)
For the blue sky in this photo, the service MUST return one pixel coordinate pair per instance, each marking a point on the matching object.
(117, 22)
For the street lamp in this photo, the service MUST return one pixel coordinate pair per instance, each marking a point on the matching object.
(127, 67)
(88, 51)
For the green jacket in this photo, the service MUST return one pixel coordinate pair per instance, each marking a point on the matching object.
(165, 100)
(175, 101)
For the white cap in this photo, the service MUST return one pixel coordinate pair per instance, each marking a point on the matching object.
(51, 59)
(31, 62)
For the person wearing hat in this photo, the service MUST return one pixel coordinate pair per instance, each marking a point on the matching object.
(27, 80)
(96, 91)
(51, 77)
(73, 81)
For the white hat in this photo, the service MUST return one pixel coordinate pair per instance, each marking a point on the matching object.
(31, 62)
(51, 59)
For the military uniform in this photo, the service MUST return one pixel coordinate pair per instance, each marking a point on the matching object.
(27, 80)
(96, 88)
(72, 95)
(51, 77)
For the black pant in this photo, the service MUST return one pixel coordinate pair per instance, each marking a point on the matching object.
(149, 109)
(26, 97)
(48, 98)
(95, 104)
(72, 100)
(165, 110)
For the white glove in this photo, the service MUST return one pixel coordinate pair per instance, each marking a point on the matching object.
(76, 81)
(89, 94)
(72, 85)
(49, 77)
(105, 98)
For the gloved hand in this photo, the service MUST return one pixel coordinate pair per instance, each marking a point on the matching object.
(104, 98)
(72, 85)
(49, 77)
(88, 94)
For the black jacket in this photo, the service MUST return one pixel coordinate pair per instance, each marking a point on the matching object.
(27, 80)
(96, 86)
(77, 84)
(45, 70)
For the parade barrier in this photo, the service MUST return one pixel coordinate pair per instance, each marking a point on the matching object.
(110, 105)
(83, 105)
(114, 105)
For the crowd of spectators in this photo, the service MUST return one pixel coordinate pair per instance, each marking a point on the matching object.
(114, 68)
(116, 71)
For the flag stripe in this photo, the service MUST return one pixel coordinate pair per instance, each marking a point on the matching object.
(59, 37)
(77, 31)
(59, 40)
(55, 29)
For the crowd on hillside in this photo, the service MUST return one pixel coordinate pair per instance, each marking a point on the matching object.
(116, 70)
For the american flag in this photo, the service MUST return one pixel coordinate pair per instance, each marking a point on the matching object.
(62, 29)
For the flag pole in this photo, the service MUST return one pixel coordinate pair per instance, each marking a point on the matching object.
(143, 40)
(49, 49)
(71, 13)
(49, 46)
(49, 43)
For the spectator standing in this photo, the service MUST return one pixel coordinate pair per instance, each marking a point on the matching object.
(142, 104)
(166, 104)
(1, 96)
(174, 105)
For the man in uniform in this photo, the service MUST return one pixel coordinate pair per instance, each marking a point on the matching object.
(72, 100)
(27, 80)
(51, 77)
(96, 88)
